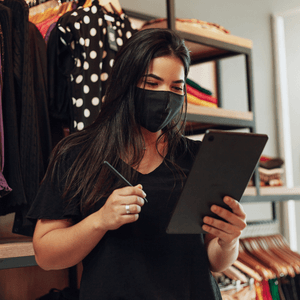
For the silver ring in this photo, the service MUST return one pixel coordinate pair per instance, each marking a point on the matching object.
(127, 209)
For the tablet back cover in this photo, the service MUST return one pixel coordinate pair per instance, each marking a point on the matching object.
(223, 166)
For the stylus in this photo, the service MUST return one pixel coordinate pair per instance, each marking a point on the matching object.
(119, 175)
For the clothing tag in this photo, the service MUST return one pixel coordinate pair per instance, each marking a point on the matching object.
(111, 38)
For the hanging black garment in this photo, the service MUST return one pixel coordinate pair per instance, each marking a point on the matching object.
(26, 108)
(12, 168)
(38, 51)
(4, 187)
(59, 93)
(25, 119)
(38, 62)
(86, 41)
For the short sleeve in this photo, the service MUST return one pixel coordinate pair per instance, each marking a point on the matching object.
(49, 203)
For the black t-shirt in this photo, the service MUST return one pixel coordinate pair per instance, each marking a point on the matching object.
(140, 260)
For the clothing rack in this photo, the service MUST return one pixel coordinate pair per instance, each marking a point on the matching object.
(25, 257)
(272, 265)
(16, 251)
(228, 48)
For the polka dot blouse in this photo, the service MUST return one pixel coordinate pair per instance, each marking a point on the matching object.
(83, 35)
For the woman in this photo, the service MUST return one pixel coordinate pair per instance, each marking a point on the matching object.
(84, 213)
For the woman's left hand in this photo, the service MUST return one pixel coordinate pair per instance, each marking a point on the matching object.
(226, 232)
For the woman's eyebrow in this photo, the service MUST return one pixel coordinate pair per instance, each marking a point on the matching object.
(179, 81)
(161, 79)
(154, 76)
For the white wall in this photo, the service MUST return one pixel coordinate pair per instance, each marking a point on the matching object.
(251, 20)
(292, 42)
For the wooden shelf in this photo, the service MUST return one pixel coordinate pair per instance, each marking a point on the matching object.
(219, 36)
(16, 254)
(206, 45)
(270, 194)
(206, 117)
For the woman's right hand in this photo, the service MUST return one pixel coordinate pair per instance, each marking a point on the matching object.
(122, 206)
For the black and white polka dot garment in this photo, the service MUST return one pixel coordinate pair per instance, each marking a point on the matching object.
(85, 33)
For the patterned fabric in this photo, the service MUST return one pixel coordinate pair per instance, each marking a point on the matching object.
(86, 57)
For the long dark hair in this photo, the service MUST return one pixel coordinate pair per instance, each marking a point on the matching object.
(115, 130)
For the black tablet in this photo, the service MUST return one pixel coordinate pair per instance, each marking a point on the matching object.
(223, 166)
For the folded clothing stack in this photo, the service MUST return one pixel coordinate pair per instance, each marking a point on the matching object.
(270, 171)
(199, 96)
(199, 25)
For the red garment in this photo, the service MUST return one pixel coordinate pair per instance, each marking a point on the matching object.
(200, 95)
(43, 26)
(266, 290)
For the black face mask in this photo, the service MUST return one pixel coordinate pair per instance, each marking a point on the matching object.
(156, 109)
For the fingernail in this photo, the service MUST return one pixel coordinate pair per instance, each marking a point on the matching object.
(144, 194)
(205, 228)
(227, 199)
(205, 220)
(142, 201)
(213, 208)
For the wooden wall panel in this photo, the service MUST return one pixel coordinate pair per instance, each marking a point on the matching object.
(30, 283)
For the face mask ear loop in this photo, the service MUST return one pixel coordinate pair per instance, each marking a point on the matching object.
(184, 106)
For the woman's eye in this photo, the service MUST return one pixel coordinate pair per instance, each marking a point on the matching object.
(151, 83)
(178, 88)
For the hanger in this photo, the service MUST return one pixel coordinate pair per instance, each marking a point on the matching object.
(234, 274)
(51, 12)
(40, 8)
(247, 270)
(252, 247)
(268, 243)
(264, 248)
(112, 6)
(250, 261)
(279, 240)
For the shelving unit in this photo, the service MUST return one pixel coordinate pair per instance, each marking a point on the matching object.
(16, 254)
(219, 118)
(271, 194)
(205, 46)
